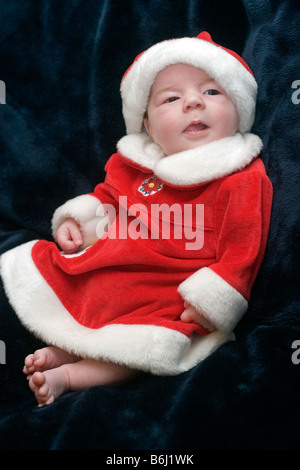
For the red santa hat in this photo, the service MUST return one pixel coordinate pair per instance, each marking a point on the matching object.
(226, 67)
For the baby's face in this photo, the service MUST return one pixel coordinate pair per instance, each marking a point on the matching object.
(187, 109)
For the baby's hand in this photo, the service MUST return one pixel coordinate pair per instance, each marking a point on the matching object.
(68, 236)
(191, 315)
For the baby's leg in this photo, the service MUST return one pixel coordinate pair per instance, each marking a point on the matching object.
(47, 358)
(50, 384)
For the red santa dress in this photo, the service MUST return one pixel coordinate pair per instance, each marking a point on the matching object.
(159, 230)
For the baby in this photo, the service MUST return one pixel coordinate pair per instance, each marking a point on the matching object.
(110, 304)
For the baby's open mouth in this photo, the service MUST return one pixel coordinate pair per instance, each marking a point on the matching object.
(195, 127)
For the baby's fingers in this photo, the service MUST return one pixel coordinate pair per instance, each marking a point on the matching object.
(68, 246)
(75, 236)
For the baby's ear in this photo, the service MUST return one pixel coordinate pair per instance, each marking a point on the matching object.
(147, 126)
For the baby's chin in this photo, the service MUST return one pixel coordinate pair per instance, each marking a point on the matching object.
(193, 143)
(180, 149)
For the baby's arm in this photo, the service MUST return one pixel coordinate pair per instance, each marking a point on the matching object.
(86, 220)
(241, 221)
(191, 315)
(68, 236)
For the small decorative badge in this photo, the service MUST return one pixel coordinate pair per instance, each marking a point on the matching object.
(151, 186)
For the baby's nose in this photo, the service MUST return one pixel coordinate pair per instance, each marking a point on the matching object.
(193, 100)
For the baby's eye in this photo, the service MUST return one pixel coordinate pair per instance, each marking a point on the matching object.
(171, 99)
(212, 91)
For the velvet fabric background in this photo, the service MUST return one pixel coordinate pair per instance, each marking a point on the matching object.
(62, 63)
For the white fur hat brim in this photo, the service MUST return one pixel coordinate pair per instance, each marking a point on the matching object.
(224, 66)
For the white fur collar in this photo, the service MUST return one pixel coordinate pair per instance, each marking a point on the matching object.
(194, 166)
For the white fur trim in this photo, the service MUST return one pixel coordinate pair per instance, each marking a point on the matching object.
(223, 305)
(140, 149)
(195, 166)
(228, 71)
(85, 210)
(154, 349)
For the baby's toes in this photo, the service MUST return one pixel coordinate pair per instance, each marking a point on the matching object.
(29, 365)
(41, 389)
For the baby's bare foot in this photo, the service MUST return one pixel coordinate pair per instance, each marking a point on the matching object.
(45, 359)
(49, 385)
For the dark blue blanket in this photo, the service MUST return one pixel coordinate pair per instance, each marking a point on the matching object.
(62, 63)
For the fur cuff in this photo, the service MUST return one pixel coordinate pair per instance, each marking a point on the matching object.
(84, 210)
(223, 305)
